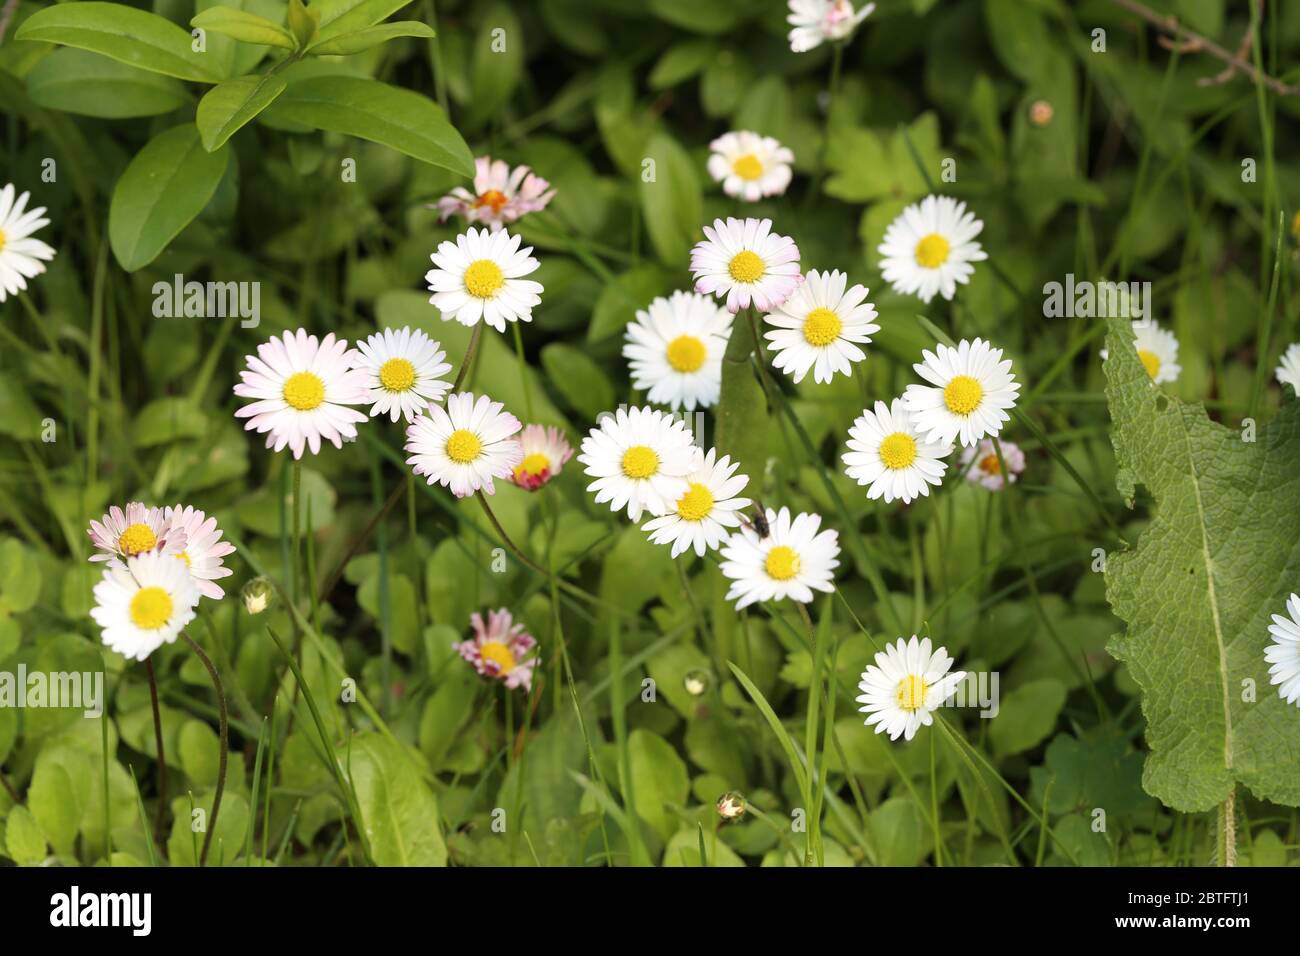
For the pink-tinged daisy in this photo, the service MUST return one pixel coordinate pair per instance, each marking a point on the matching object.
(501, 194)
(816, 22)
(465, 445)
(303, 387)
(545, 451)
(203, 549)
(501, 650)
(21, 256)
(982, 467)
(137, 530)
(750, 166)
(745, 262)
(906, 685)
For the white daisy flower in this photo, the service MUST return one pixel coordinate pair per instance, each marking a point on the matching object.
(203, 548)
(929, 248)
(1158, 350)
(750, 166)
(501, 194)
(1288, 369)
(980, 462)
(821, 326)
(1284, 652)
(708, 507)
(465, 445)
(480, 276)
(972, 389)
(791, 562)
(640, 458)
(403, 369)
(21, 256)
(889, 454)
(816, 22)
(747, 262)
(303, 388)
(137, 530)
(901, 691)
(545, 451)
(675, 349)
(145, 604)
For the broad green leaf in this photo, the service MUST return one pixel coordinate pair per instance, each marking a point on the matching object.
(902, 836)
(303, 24)
(498, 63)
(349, 43)
(338, 17)
(226, 108)
(403, 617)
(740, 428)
(244, 26)
(1026, 716)
(168, 419)
(199, 753)
(134, 37)
(671, 200)
(20, 578)
(1219, 556)
(397, 118)
(578, 378)
(619, 300)
(23, 837)
(398, 811)
(76, 81)
(867, 165)
(165, 186)
(659, 778)
(681, 62)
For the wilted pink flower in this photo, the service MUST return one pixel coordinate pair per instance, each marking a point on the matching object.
(500, 649)
(545, 452)
(501, 195)
(987, 471)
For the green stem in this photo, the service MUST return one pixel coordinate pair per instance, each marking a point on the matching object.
(162, 758)
(223, 721)
(469, 357)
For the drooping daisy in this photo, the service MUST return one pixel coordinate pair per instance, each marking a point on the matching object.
(746, 262)
(709, 506)
(889, 454)
(821, 326)
(501, 649)
(481, 276)
(929, 248)
(137, 530)
(303, 388)
(791, 562)
(980, 462)
(465, 445)
(750, 166)
(1288, 369)
(501, 194)
(203, 549)
(545, 451)
(815, 22)
(675, 349)
(21, 256)
(144, 605)
(971, 389)
(901, 691)
(640, 458)
(403, 369)
(1284, 653)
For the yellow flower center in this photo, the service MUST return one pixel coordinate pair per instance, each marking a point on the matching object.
(963, 395)
(137, 539)
(782, 563)
(898, 450)
(494, 198)
(821, 327)
(500, 654)
(151, 608)
(911, 692)
(989, 465)
(304, 391)
(640, 462)
(1150, 361)
(746, 266)
(686, 353)
(2, 237)
(696, 504)
(932, 251)
(397, 374)
(484, 278)
(533, 464)
(184, 556)
(748, 167)
(463, 446)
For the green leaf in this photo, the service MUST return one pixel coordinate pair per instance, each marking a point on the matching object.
(782, 735)
(167, 419)
(671, 201)
(741, 425)
(403, 617)
(349, 43)
(233, 104)
(397, 118)
(89, 84)
(245, 27)
(659, 778)
(498, 63)
(1221, 553)
(1026, 716)
(20, 579)
(398, 810)
(304, 24)
(165, 186)
(578, 378)
(131, 36)
(23, 838)
(866, 165)
(681, 62)
(338, 17)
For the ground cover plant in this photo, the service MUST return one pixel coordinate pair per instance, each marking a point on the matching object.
(649, 432)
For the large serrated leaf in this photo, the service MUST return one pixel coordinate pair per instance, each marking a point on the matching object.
(1221, 552)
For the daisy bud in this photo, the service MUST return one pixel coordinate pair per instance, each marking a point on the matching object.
(731, 806)
(258, 595)
(696, 683)
(1041, 113)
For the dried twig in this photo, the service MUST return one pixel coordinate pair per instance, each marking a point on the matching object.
(6, 15)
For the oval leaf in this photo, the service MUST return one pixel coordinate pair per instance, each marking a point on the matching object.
(243, 26)
(76, 81)
(231, 105)
(350, 43)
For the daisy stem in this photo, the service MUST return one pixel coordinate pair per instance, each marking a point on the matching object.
(469, 357)
(360, 539)
(223, 721)
(158, 745)
(297, 529)
(505, 538)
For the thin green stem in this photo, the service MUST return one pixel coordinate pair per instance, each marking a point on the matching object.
(224, 727)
